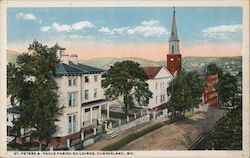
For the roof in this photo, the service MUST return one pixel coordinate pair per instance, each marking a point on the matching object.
(65, 69)
(151, 72)
(96, 102)
(12, 110)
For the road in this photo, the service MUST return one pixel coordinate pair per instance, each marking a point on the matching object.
(180, 135)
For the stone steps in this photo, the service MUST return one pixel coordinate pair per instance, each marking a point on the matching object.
(111, 134)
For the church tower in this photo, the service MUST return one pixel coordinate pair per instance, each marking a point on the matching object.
(174, 56)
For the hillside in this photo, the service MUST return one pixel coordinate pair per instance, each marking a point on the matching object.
(189, 63)
(231, 64)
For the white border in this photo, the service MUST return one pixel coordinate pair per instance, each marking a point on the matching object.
(138, 3)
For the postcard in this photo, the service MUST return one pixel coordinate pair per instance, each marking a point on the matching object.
(124, 78)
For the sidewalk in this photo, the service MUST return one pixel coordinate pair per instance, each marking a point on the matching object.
(101, 144)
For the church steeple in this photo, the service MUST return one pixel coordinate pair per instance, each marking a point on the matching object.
(174, 36)
(174, 57)
(174, 40)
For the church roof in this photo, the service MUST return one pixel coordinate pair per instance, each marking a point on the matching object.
(151, 72)
(174, 36)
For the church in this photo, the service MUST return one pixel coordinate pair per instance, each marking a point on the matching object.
(161, 76)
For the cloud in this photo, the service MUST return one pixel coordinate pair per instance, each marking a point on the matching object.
(145, 29)
(148, 31)
(225, 32)
(45, 28)
(25, 16)
(82, 24)
(104, 30)
(151, 22)
(67, 28)
(61, 28)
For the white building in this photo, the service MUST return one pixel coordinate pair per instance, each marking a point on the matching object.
(159, 79)
(81, 94)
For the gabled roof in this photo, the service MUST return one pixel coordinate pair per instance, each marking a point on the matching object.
(64, 69)
(151, 72)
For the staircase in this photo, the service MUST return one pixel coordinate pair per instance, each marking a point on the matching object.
(111, 134)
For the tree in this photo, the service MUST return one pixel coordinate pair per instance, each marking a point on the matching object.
(33, 91)
(226, 88)
(212, 68)
(127, 79)
(185, 91)
(227, 133)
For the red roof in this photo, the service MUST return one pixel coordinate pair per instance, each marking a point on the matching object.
(151, 72)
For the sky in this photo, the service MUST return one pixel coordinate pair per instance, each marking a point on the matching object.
(118, 32)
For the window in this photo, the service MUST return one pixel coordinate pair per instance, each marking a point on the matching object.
(156, 99)
(160, 85)
(156, 86)
(72, 98)
(86, 79)
(95, 78)
(72, 82)
(87, 110)
(95, 93)
(72, 123)
(86, 94)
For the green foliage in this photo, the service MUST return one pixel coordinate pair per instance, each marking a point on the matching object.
(226, 87)
(212, 68)
(227, 134)
(33, 90)
(185, 91)
(127, 79)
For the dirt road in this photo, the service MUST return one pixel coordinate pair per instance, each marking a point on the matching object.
(177, 136)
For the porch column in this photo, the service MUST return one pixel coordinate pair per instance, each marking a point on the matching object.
(154, 114)
(94, 131)
(82, 135)
(120, 122)
(100, 111)
(141, 112)
(68, 142)
(127, 118)
(107, 110)
(135, 116)
(106, 126)
(91, 115)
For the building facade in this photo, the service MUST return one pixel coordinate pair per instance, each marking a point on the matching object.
(81, 94)
(210, 96)
(158, 82)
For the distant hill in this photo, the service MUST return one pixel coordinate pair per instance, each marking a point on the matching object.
(188, 63)
(105, 63)
(11, 56)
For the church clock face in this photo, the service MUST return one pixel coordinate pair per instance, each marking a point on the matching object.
(172, 59)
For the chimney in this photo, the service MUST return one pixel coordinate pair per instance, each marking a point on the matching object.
(74, 58)
(65, 59)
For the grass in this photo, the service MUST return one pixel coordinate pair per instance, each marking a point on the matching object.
(124, 141)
